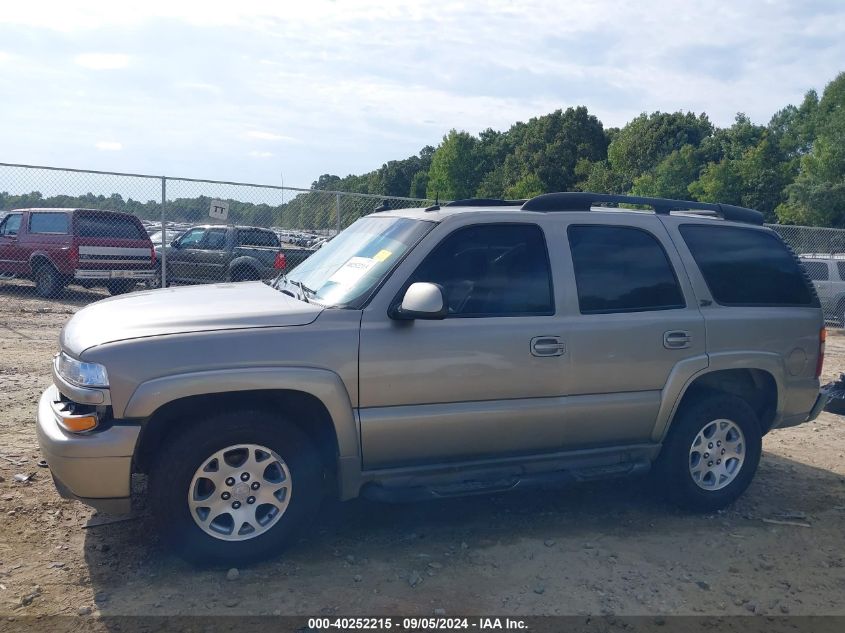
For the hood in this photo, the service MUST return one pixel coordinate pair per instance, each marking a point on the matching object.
(181, 310)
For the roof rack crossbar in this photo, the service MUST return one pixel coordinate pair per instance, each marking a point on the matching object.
(585, 200)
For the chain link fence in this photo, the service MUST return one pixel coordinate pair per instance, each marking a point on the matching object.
(110, 233)
(82, 235)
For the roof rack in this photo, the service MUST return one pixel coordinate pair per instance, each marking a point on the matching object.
(585, 200)
(485, 202)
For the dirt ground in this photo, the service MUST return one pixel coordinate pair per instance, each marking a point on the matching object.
(604, 548)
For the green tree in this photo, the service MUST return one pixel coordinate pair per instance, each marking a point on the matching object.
(649, 138)
(671, 177)
(454, 172)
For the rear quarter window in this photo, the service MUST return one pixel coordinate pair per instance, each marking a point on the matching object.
(747, 267)
(108, 225)
(257, 237)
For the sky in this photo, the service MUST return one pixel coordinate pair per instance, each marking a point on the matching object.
(279, 92)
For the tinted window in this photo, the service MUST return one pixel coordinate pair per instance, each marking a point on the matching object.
(108, 225)
(214, 240)
(191, 238)
(492, 269)
(747, 266)
(817, 271)
(621, 269)
(48, 223)
(840, 266)
(11, 224)
(256, 237)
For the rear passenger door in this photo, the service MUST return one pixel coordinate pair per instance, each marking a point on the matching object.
(632, 319)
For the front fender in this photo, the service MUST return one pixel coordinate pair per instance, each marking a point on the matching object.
(323, 384)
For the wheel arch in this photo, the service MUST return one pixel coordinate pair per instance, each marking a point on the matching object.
(244, 262)
(759, 383)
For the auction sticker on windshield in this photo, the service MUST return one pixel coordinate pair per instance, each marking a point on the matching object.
(354, 268)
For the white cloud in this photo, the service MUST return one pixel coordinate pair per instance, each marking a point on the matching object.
(268, 136)
(102, 61)
(108, 146)
(208, 82)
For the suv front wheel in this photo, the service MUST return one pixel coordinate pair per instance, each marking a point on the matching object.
(234, 487)
(711, 453)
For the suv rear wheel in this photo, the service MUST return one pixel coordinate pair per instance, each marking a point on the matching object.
(233, 488)
(48, 281)
(711, 453)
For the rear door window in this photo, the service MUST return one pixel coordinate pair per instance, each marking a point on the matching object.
(108, 225)
(622, 269)
(214, 240)
(48, 223)
(747, 267)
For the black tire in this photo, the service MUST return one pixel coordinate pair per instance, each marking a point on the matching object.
(673, 466)
(120, 287)
(185, 451)
(48, 282)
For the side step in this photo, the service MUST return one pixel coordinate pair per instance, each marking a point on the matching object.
(384, 491)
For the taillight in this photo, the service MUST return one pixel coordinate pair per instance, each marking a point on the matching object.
(73, 256)
(820, 362)
(281, 262)
(153, 254)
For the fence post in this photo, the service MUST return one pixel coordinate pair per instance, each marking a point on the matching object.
(163, 232)
(337, 209)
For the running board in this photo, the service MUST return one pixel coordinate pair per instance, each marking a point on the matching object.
(388, 491)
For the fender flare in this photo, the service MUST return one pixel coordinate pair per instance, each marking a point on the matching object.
(323, 384)
(41, 255)
(685, 373)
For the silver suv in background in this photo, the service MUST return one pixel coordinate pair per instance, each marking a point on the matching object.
(426, 353)
(827, 273)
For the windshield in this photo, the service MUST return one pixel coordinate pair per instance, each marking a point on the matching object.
(350, 265)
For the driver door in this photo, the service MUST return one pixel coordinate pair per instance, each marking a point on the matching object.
(181, 259)
(475, 384)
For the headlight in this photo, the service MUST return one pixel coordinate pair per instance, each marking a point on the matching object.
(81, 374)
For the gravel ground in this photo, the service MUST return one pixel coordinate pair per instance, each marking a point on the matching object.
(603, 548)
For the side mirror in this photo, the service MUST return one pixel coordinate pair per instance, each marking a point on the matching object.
(422, 300)
(175, 243)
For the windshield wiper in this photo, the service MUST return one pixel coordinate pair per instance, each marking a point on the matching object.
(303, 289)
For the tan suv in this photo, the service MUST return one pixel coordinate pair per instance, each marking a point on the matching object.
(425, 353)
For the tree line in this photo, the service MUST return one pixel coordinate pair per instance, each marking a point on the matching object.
(792, 168)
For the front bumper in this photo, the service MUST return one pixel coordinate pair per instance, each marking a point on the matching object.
(95, 467)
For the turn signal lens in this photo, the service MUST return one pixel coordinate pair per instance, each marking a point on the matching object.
(79, 424)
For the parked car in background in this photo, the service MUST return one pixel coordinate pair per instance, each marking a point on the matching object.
(827, 273)
(430, 353)
(216, 253)
(90, 247)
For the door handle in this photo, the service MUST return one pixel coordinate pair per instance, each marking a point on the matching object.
(676, 339)
(547, 346)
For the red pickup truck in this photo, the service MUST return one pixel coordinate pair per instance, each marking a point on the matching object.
(90, 247)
